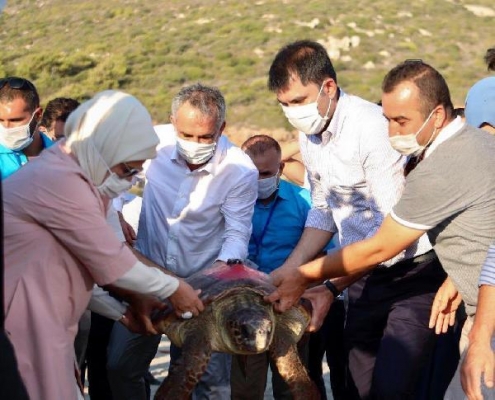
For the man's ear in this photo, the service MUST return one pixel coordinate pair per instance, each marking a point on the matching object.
(330, 87)
(224, 124)
(281, 169)
(440, 117)
(38, 113)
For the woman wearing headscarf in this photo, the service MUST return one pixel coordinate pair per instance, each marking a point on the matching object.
(58, 243)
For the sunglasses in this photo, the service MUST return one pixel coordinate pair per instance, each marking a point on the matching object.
(129, 171)
(16, 83)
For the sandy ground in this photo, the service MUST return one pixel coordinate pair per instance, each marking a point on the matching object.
(159, 369)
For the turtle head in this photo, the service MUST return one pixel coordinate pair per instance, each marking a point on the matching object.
(247, 328)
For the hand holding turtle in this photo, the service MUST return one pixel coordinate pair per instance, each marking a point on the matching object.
(290, 284)
(321, 299)
(137, 318)
(185, 299)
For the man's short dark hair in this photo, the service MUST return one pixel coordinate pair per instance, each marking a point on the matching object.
(58, 109)
(13, 87)
(490, 59)
(259, 144)
(307, 59)
(433, 89)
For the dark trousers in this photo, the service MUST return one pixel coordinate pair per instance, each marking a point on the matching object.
(11, 385)
(96, 357)
(440, 371)
(249, 375)
(388, 341)
(329, 341)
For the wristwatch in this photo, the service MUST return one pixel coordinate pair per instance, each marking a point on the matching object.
(330, 286)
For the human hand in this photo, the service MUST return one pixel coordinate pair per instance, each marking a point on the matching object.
(290, 285)
(445, 305)
(321, 299)
(478, 364)
(185, 299)
(127, 230)
(137, 317)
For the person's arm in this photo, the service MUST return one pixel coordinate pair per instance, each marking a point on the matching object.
(322, 298)
(237, 210)
(356, 258)
(479, 362)
(289, 149)
(310, 245)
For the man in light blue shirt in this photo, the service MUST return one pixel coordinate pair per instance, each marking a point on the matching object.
(20, 113)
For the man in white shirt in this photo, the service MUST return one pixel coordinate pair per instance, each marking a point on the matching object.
(197, 208)
(356, 178)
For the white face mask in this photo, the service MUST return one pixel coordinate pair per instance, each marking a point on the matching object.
(307, 118)
(408, 144)
(113, 186)
(17, 138)
(267, 186)
(195, 153)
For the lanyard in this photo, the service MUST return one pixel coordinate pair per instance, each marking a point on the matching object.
(257, 241)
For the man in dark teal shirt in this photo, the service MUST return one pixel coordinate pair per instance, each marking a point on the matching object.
(278, 222)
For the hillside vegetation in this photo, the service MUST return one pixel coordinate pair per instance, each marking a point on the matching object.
(152, 48)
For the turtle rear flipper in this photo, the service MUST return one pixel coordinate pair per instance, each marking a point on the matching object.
(185, 372)
(285, 355)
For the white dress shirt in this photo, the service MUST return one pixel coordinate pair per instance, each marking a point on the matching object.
(356, 176)
(190, 219)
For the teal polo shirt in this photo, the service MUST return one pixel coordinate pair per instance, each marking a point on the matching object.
(278, 226)
(11, 161)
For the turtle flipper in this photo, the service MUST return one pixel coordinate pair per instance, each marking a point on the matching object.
(285, 355)
(185, 373)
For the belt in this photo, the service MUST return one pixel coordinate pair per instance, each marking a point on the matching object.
(422, 258)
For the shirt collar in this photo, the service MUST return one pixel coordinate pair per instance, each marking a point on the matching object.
(47, 142)
(446, 133)
(335, 122)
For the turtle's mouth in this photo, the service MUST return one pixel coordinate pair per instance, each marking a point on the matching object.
(247, 325)
(251, 332)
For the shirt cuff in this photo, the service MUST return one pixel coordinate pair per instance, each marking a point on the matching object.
(321, 219)
(104, 304)
(148, 280)
(487, 276)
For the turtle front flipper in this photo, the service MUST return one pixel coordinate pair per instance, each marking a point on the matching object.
(186, 371)
(283, 351)
(285, 355)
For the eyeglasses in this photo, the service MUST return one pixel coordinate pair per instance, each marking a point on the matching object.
(129, 171)
(16, 83)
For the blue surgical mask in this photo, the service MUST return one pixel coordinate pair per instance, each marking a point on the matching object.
(267, 186)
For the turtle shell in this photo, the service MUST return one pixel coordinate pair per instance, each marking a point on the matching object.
(236, 320)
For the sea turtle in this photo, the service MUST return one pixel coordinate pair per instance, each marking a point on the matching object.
(236, 320)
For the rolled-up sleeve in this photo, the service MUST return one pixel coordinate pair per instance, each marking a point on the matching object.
(487, 276)
(237, 210)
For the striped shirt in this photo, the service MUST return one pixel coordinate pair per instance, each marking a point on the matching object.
(487, 276)
(356, 176)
